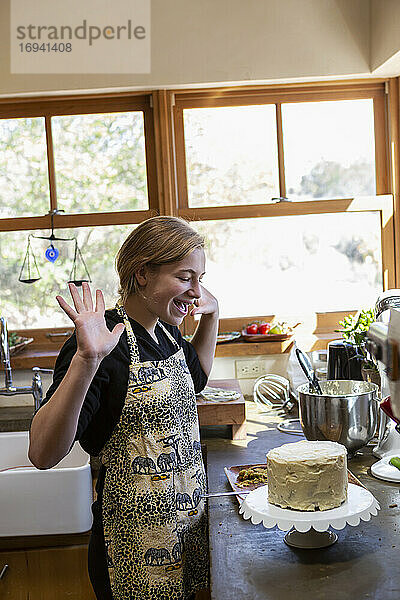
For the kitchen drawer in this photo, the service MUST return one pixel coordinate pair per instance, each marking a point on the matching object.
(59, 573)
(14, 582)
(46, 574)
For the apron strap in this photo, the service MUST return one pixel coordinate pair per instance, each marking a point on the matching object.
(169, 335)
(133, 347)
(132, 343)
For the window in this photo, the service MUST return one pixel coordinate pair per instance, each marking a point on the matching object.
(35, 305)
(289, 185)
(100, 162)
(283, 185)
(94, 162)
(24, 184)
(316, 269)
(329, 149)
(231, 155)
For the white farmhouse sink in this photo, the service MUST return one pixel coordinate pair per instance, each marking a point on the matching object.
(35, 502)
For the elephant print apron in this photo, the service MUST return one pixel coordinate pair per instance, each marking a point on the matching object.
(155, 525)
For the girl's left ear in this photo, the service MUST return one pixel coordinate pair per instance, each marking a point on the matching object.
(142, 275)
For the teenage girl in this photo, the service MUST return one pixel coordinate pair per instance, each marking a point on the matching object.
(124, 386)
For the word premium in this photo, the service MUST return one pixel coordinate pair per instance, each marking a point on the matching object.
(81, 32)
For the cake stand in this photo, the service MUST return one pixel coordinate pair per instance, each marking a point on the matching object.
(310, 529)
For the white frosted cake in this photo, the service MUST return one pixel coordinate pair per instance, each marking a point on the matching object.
(307, 475)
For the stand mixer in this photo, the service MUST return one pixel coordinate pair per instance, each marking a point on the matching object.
(383, 342)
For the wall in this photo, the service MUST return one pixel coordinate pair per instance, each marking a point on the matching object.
(224, 368)
(385, 38)
(198, 42)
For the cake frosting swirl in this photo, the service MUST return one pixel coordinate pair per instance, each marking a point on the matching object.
(307, 475)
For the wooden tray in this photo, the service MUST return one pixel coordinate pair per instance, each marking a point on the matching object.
(268, 337)
(233, 472)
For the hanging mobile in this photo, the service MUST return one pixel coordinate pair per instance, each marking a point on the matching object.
(30, 272)
(51, 254)
(78, 258)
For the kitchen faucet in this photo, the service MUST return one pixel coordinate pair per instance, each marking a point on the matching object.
(36, 389)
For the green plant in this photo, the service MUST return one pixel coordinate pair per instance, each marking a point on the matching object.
(354, 330)
(13, 338)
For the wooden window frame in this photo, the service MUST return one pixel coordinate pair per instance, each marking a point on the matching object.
(376, 90)
(45, 348)
(71, 105)
(166, 165)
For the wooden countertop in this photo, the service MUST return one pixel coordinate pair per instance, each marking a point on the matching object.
(225, 384)
(31, 357)
(18, 418)
(46, 359)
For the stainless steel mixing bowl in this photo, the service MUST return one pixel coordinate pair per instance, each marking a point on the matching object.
(347, 412)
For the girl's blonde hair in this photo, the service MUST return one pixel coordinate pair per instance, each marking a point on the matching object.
(157, 241)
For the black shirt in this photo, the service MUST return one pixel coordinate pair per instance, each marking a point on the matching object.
(105, 398)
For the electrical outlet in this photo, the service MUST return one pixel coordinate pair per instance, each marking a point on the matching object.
(250, 369)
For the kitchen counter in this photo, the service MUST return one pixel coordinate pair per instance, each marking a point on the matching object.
(251, 562)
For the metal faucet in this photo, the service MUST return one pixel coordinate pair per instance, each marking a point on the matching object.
(36, 389)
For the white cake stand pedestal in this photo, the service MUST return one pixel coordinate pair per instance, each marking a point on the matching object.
(310, 529)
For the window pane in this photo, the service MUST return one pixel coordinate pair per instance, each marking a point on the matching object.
(329, 149)
(34, 305)
(231, 155)
(100, 162)
(24, 184)
(289, 265)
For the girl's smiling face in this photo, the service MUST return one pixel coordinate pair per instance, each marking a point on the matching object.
(168, 290)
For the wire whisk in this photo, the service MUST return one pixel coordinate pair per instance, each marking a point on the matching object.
(271, 392)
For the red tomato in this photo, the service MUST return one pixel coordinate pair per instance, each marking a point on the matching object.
(253, 328)
(264, 328)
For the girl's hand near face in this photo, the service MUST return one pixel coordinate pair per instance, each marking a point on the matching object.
(207, 304)
(205, 336)
(94, 339)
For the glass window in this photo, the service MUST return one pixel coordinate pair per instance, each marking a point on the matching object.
(329, 149)
(34, 305)
(231, 155)
(24, 184)
(100, 162)
(289, 265)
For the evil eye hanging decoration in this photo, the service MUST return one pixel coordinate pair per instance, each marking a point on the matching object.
(29, 271)
(51, 253)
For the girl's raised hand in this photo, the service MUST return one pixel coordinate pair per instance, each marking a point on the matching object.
(94, 339)
(207, 304)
